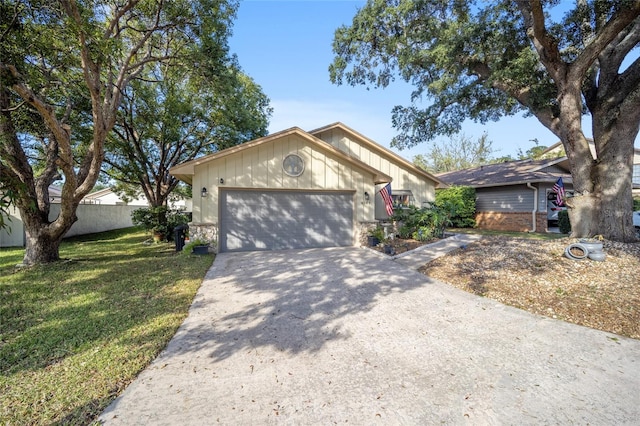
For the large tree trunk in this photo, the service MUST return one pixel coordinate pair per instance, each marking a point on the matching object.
(613, 173)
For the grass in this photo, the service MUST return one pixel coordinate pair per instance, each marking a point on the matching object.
(529, 235)
(73, 334)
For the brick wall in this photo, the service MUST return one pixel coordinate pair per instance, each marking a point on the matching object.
(510, 221)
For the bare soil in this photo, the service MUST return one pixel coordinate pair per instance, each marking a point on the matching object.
(536, 276)
(401, 245)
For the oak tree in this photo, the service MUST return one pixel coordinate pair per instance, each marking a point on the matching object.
(64, 66)
(485, 60)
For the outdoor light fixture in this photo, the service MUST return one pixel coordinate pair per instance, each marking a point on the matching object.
(203, 193)
(366, 196)
(221, 181)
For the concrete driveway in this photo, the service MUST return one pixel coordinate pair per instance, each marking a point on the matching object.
(344, 335)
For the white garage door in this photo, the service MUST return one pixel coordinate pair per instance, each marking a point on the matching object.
(276, 220)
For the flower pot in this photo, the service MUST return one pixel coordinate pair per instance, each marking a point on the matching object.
(598, 256)
(576, 252)
(591, 245)
(200, 250)
(373, 241)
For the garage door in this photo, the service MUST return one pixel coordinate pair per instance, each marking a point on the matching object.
(276, 220)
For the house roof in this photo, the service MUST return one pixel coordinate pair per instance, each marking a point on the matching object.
(374, 146)
(509, 173)
(185, 171)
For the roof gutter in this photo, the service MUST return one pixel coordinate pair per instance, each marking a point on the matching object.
(535, 206)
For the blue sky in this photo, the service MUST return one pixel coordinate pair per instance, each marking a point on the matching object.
(285, 46)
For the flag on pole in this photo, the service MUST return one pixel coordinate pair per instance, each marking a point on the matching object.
(558, 187)
(385, 192)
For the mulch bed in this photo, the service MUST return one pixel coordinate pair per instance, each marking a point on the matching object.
(401, 245)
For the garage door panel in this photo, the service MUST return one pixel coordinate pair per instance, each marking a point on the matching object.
(274, 220)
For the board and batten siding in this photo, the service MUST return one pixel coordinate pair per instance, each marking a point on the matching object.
(261, 167)
(516, 198)
(423, 189)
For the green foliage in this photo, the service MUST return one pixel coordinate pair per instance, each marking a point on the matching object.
(377, 232)
(636, 204)
(563, 222)
(178, 117)
(188, 248)
(459, 152)
(158, 219)
(80, 331)
(421, 224)
(470, 60)
(460, 202)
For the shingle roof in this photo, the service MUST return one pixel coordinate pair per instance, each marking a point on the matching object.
(509, 173)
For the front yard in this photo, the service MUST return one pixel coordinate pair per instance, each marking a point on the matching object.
(534, 275)
(75, 333)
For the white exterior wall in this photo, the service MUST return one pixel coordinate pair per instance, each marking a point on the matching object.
(261, 167)
(92, 218)
(13, 236)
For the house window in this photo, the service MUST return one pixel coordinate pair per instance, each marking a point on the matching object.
(636, 174)
(402, 198)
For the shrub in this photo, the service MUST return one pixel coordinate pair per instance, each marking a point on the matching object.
(563, 222)
(636, 204)
(158, 219)
(422, 224)
(460, 202)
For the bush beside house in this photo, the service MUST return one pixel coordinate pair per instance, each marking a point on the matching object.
(563, 222)
(460, 202)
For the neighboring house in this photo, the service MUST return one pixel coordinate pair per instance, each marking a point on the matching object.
(298, 189)
(514, 195)
(108, 197)
(558, 150)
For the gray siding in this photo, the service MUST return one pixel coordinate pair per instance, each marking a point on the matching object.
(517, 198)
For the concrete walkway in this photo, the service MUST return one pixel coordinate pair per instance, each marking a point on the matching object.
(341, 335)
(414, 259)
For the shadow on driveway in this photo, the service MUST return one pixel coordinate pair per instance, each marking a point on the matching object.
(346, 335)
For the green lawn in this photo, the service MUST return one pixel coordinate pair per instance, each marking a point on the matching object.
(531, 235)
(73, 334)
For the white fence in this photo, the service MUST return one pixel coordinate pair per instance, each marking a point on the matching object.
(91, 218)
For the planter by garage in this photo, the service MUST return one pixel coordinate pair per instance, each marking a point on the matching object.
(204, 249)
(373, 241)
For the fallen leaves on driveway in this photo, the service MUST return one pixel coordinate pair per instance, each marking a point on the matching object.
(535, 276)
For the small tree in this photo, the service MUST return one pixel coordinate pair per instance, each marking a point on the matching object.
(459, 152)
(460, 202)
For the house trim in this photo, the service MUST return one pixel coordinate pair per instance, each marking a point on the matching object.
(186, 171)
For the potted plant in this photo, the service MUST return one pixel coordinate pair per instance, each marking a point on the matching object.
(375, 236)
(196, 246)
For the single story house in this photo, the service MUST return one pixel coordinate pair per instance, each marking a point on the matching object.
(514, 195)
(298, 189)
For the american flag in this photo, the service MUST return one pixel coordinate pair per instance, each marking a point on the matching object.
(558, 188)
(386, 196)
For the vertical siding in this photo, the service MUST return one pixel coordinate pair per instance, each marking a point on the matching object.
(261, 167)
(423, 189)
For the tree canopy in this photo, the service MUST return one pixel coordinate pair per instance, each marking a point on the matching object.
(64, 67)
(485, 60)
(459, 152)
(177, 111)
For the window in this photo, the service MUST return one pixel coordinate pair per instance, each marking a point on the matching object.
(636, 174)
(402, 198)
